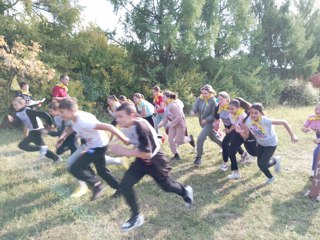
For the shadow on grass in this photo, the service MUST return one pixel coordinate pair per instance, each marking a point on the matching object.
(10, 136)
(297, 213)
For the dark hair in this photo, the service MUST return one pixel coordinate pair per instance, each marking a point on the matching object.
(69, 104)
(257, 106)
(127, 107)
(138, 95)
(22, 84)
(53, 106)
(156, 88)
(170, 94)
(113, 97)
(62, 77)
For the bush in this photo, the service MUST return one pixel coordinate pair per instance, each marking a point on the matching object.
(299, 93)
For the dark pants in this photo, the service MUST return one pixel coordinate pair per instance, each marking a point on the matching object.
(82, 171)
(264, 155)
(69, 144)
(150, 120)
(35, 137)
(226, 144)
(251, 146)
(136, 172)
(235, 143)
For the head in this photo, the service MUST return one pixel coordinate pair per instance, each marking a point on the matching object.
(234, 106)
(64, 79)
(207, 91)
(224, 98)
(68, 108)
(53, 109)
(18, 103)
(317, 109)
(112, 99)
(24, 86)
(137, 97)
(168, 95)
(125, 115)
(256, 111)
(156, 90)
(122, 99)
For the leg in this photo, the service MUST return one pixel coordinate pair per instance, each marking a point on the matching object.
(235, 143)
(251, 146)
(171, 139)
(181, 138)
(264, 156)
(315, 156)
(225, 146)
(26, 145)
(213, 135)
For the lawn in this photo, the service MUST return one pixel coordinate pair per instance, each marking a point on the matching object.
(35, 198)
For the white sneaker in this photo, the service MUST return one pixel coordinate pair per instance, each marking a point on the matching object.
(134, 222)
(188, 200)
(270, 180)
(224, 167)
(43, 151)
(277, 166)
(234, 175)
(312, 173)
(113, 160)
(59, 160)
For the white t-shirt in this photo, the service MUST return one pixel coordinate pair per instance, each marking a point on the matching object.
(265, 134)
(85, 127)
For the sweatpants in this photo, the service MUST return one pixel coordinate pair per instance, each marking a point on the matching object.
(177, 137)
(264, 155)
(69, 144)
(225, 145)
(80, 168)
(235, 142)
(315, 156)
(35, 137)
(207, 132)
(135, 173)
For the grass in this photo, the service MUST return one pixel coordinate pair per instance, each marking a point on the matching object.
(35, 201)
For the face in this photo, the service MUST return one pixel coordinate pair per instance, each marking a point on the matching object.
(154, 92)
(121, 101)
(18, 106)
(233, 109)
(164, 98)
(135, 99)
(254, 114)
(317, 110)
(53, 112)
(223, 101)
(65, 80)
(66, 114)
(110, 101)
(25, 88)
(123, 119)
(205, 94)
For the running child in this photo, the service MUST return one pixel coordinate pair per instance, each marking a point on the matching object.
(149, 160)
(90, 129)
(313, 124)
(31, 120)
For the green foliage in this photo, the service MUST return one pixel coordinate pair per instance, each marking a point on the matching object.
(299, 93)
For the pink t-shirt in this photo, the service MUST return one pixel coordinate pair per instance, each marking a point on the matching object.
(239, 119)
(312, 122)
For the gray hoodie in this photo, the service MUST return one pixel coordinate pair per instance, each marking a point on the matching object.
(205, 111)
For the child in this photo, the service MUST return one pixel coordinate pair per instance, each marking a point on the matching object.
(31, 120)
(159, 105)
(89, 128)
(204, 107)
(145, 109)
(113, 103)
(262, 128)
(149, 160)
(175, 121)
(313, 123)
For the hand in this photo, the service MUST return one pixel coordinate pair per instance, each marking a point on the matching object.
(216, 124)
(10, 118)
(305, 130)
(192, 114)
(238, 129)
(116, 149)
(294, 139)
(203, 122)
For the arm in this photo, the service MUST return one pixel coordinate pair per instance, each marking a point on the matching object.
(163, 122)
(66, 133)
(161, 107)
(122, 151)
(113, 130)
(294, 138)
(43, 115)
(305, 129)
(195, 108)
(243, 130)
(143, 111)
(177, 113)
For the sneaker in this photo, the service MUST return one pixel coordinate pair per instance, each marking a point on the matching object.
(43, 151)
(117, 194)
(277, 166)
(312, 173)
(244, 157)
(97, 191)
(59, 160)
(234, 175)
(224, 167)
(192, 143)
(270, 180)
(176, 157)
(134, 222)
(80, 191)
(188, 199)
(197, 161)
(113, 160)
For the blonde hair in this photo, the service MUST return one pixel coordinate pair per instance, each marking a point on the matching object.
(225, 95)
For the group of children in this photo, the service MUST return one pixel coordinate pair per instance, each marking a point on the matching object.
(244, 125)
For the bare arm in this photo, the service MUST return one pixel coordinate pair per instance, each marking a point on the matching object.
(122, 151)
(66, 132)
(115, 131)
(294, 138)
(243, 130)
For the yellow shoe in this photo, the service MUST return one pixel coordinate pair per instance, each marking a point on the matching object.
(80, 191)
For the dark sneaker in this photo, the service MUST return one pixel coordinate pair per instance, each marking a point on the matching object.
(116, 194)
(134, 222)
(188, 199)
(197, 161)
(176, 157)
(97, 191)
(192, 143)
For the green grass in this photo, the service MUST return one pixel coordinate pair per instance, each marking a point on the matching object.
(35, 201)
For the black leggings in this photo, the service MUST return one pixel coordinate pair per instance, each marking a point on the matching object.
(226, 144)
(35, 136)
(251, 145)
(136, 172)
(81, 168)
(69, 144)
(264, 155)
(150, 120)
